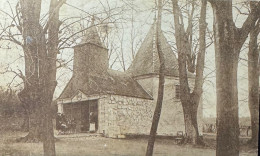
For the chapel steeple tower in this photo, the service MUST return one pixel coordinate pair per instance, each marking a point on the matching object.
(90, 56)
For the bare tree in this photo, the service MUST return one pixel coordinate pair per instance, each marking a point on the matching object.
(158, 108)
(41, 42)
(186, 59)
(121, 52)
(253, 83)
(228, 42)
(40, 69)
(40, 54)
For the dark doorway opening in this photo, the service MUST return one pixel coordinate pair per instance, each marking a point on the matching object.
(85, 115)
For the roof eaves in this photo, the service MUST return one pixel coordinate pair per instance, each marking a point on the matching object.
(66, 87)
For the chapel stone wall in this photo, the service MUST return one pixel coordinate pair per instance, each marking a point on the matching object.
(121, 115)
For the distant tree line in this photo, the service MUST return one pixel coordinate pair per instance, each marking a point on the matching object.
(9, 104)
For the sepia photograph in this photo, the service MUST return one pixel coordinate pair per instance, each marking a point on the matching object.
(129, 77)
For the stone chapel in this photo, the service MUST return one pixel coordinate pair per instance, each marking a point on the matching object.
(123, 102)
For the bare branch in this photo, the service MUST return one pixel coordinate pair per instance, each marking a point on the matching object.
(250, 21)
(57, 7)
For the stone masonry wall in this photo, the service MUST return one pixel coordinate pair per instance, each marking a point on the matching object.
(125, 115)
(171, 119)
(121, 115)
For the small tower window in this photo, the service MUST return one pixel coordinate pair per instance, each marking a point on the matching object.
(177, 92)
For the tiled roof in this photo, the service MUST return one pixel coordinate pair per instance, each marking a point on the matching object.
(122, 83)
(111, 82)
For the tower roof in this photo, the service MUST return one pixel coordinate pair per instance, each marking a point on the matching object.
(147, 60)
(91, 36)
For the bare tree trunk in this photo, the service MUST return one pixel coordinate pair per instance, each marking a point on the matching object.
(228, 42)
(25, 125)
(48, 140)
(190, 101)
(34, 117)
(189, 128)
(48, 76)
(35, 126)
(253, 84)
(199, 79)
(32, 37)
(157, 112)
(226, 81)
(40, 70)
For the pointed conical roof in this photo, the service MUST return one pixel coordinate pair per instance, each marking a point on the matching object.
(147, 61)
(91, 36)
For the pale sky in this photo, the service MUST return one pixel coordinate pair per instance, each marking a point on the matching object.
(143, 19)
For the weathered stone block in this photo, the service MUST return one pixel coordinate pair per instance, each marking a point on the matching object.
(121, 136)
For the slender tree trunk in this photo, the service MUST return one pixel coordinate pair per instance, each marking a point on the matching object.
(47, 92)
(49, 76)
(253, 84)
(157, 112)
(199, 79)
(49, 140)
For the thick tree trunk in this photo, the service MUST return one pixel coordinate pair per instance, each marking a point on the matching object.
(25, 125)
(191, 125)
(226, 53)
(34, 112)
(190, 101)
(35, 127)
(253, 84)
(157, 111)
(198, 140)
(40, 68)
(227, 104)
(190, 130)
(228, 42)
(35, 133)
(31, 31)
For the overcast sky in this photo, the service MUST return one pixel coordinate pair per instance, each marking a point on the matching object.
(143, 19)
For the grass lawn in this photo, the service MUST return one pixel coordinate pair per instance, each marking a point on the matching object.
(96, 146)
